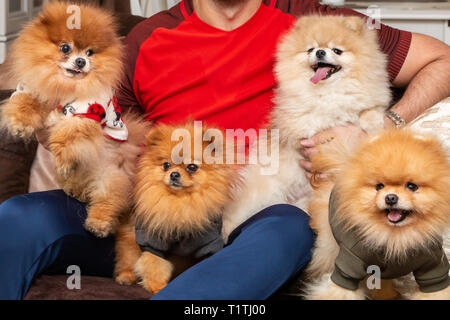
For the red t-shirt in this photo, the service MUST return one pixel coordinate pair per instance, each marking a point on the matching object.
(179, 68)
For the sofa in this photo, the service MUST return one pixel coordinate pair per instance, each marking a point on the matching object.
(16, 159)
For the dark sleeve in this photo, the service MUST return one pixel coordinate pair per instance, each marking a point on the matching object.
(433, 275)
(212, 242)
(149, 243)
(349, 270)
(125, 94)
(395, 43)
(142, 32)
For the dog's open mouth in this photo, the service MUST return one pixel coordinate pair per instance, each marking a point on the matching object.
(74, 72)
(397, 215)
(323, 71)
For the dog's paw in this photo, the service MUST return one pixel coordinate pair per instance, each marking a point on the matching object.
(18, 129)
(126, 277)
(20, 118)
(153, 286)
(100, 228)
(24, 133)
(154, 271)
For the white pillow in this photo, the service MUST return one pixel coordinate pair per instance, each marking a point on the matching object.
(436, 120)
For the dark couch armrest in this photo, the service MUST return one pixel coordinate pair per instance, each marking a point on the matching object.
(16, 158)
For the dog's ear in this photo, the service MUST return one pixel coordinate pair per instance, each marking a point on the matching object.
(154, 136)
(355, 24)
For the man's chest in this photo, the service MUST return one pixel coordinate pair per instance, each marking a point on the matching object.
(204, 75)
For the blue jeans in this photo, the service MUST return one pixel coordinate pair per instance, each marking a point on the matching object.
(43, 233)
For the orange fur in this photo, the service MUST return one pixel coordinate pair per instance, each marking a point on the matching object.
(36, 55)
(166, 211)
(36, 62)
(22, 115)
(154, 271)
(127, 253)
(393, 158)
(95, 169)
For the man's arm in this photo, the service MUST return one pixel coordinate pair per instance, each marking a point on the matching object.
(426, 73)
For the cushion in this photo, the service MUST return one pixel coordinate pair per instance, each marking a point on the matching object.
(436, 120)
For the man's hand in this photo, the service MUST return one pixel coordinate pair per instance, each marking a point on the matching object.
(349, 134)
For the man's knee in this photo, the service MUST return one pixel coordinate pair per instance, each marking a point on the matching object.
(286, 223)
(12, 208)
(291, 221)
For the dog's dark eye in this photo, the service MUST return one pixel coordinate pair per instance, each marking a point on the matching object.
(90, 52)
(337, 51)
(379, 186)
(65, 48)
(166, 166)
(310, 50)
(192, 168)
(411, 186)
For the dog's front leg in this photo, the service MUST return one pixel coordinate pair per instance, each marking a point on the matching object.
(75, 142)
(110, 198)
(22, 115)
(128, 253)
(154, 271)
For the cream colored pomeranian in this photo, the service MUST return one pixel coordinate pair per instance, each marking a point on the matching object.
(388, 209)
(330, 72)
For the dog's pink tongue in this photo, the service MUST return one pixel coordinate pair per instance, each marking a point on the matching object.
(321, 74)
(394, 215)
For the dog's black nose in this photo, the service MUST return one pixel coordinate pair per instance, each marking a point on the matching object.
(174, 176)
(320, 54)
(80, 62)
(391, 199)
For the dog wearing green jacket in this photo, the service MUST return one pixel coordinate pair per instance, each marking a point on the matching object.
(381, 216)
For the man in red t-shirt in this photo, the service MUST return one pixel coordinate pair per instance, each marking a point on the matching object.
(209, 60)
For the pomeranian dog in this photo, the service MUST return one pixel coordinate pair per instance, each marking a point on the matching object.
(389, 208)
(67, 75)
(179, 198)
(330, 72)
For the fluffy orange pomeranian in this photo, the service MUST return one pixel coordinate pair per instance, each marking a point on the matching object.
(68, 61)
(389, 208)
(179, 195)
